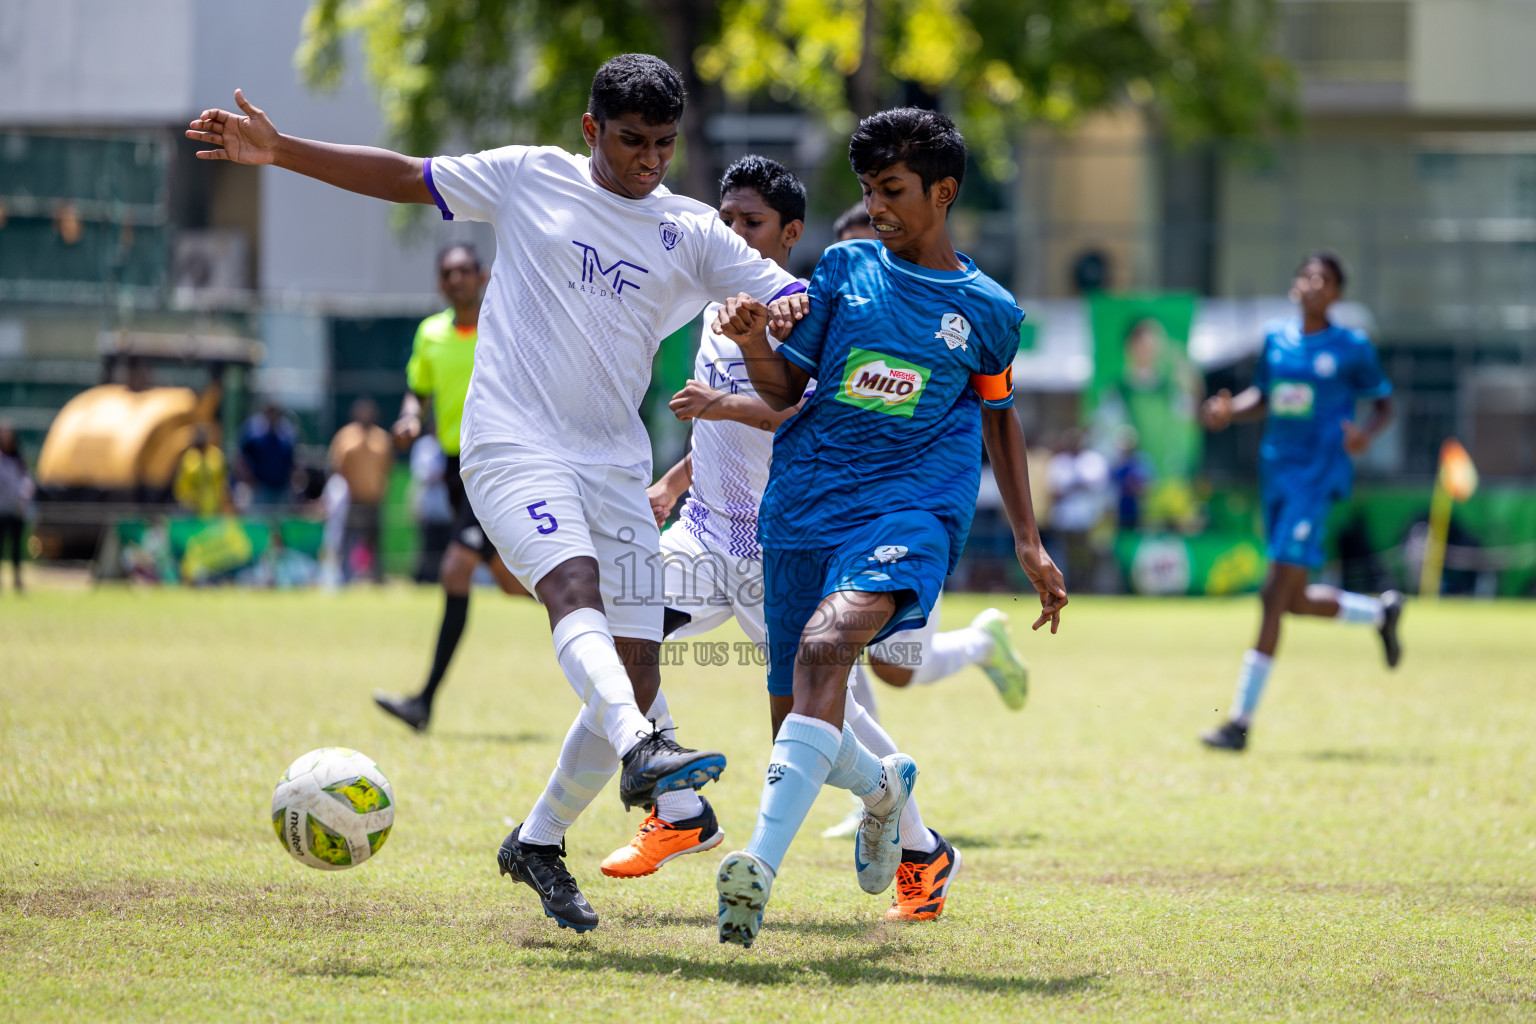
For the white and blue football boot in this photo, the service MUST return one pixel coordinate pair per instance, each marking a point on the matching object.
(743, 883)
(877, 844)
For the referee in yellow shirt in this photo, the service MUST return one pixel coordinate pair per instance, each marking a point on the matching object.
(442, 360)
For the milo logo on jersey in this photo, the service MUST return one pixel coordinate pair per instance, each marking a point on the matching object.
(1291, 398)
(880, 383)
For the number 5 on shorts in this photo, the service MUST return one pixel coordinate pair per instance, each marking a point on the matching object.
(536, 515)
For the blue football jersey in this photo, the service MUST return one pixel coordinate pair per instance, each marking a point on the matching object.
(894, 424)
(1312, 382)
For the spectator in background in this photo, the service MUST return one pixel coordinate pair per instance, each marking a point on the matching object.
(1131, 475)
(362, 454)
(202, 478)
(266, 455)
(853, 223)
(1079, 485)
(15, 496)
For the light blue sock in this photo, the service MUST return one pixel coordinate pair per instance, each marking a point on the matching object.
(1359, 609)
(1250, 685)
(801, 758)
(855, 768)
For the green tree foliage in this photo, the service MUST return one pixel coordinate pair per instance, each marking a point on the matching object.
(1202, 68)
(493, 71)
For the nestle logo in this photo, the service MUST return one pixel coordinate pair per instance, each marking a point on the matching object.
(593, 271)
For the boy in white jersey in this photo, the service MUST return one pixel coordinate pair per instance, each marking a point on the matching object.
(596, 262)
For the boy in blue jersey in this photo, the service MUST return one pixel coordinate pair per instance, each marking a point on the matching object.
(874, 483)
(1309, 377)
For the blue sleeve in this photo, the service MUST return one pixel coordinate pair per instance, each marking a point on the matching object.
(1365, 372)
(1002, 343)
(804, 344)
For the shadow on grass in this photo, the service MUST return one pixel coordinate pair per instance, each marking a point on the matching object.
(835, 929)
(860, 968)
(508, 738)
(1367, 757)
(1013, 841)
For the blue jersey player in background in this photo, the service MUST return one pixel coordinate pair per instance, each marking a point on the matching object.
(874, 483)
(1309, 378)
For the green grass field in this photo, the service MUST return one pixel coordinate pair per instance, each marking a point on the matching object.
(1372, 856)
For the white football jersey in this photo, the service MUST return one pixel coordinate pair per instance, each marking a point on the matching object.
(585, 285)
(730, 459)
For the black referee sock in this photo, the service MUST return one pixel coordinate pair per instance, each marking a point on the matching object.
(455, 614)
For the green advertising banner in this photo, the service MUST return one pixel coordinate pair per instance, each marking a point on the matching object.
(1145, 394)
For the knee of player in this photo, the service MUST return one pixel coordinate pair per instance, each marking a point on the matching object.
(456, 571)
(571, 584)
(891, 675)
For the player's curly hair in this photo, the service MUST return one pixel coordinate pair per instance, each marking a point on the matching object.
(925, 140)
(1328, 259)
(777, 184)
(637, 83)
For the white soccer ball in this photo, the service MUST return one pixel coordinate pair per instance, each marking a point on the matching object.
(333, 808)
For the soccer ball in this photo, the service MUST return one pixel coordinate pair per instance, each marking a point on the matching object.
(333, 808)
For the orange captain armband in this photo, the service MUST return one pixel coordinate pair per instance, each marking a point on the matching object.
(995, 388)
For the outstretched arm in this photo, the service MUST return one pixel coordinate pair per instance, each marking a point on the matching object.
(1004, 438)
(251, 138)
(699, 401)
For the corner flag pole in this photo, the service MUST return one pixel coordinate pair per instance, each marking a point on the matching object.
(1456, 481)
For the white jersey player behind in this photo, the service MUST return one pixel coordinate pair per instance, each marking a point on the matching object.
(596, 262)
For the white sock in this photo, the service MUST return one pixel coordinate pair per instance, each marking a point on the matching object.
(914, 834)
(1251, 679)
(584, 646)
(863, 691)
(586, 763)
(679, 803)
(1360, 608)
(950, 652)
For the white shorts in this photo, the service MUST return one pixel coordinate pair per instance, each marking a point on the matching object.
(711, 586)
(905, 649)
(540, 510)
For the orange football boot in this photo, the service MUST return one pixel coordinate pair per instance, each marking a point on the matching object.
(659, 841)
(922, 882)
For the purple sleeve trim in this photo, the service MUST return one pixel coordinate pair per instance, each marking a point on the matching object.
(437, 197)
(790, 289)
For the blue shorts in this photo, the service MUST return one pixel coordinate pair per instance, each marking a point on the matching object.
(903, 553)
(1295, 525)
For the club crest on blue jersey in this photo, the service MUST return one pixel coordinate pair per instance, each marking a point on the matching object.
(1325, 365)
(670, 233)
(954, 330)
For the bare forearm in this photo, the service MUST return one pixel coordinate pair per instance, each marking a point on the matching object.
(1004, 437)
(678, 479)
(1381, 415)
(366, 170)
(751, 412)
(1248, 405)
(779, 383)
